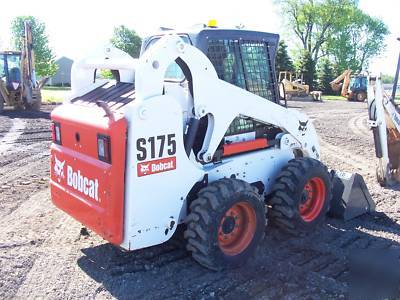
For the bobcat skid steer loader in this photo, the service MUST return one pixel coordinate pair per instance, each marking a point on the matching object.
(192, 133)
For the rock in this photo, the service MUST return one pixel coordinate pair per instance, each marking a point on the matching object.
(84, 231)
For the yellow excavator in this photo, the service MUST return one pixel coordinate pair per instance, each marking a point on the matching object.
(18, 85)
(354, 88)
(293, 84)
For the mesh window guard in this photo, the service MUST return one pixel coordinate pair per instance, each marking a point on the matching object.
(244, 63)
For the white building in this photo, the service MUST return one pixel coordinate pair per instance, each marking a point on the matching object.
(63, 75)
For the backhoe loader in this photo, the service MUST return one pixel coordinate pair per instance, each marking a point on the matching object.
(193, 134)
(354, 88)
(18, 84)
(293, 84)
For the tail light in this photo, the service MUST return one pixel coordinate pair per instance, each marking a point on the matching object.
(56, 132)
(104, 148)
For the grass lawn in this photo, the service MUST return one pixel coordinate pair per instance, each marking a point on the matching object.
(51, 94)
(333, 97)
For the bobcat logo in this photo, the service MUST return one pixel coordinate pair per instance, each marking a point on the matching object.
(303, 127)
(59, 168)
(144, 168)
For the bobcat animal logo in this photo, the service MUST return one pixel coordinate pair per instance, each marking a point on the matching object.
(303, 127)
(144, 168)
(59, 168)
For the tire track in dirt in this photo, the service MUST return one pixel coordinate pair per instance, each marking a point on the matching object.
(8, 162)
(22, 174)
(340, 154)
(362, 124)
(358, 125)
(22, 233)
(52, 250)
(7, 141)
(5, 125)
(14, 171)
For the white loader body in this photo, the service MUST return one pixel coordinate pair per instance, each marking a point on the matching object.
(155, 202)
(159, 174)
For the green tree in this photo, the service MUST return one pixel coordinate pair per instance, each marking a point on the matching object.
(361, 39)
(127, 40)
(45, 65)
(325, 76)
(389, 79)
(306, 66)
(283, 62)
(337, 29)
(312, 22)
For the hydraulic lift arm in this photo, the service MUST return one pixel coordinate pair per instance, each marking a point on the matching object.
(220, 101)
(336, 84)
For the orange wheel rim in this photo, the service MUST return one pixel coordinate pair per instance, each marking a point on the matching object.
(237, 228)
(313, 199)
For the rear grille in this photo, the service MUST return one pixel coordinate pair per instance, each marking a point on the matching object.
(116, 95)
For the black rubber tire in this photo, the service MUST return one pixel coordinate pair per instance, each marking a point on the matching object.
(204, 219)
(288, 191)
(360, 96)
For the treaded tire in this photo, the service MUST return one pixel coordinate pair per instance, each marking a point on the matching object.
(360, 96)
(291, 191)
(207, 218)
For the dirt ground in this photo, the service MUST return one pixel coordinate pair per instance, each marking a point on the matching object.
(43, 255)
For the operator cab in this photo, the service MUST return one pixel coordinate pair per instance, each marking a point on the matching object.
(240, 57)
(10, 69)
(243, 58)
(358, 83)
(358, 87)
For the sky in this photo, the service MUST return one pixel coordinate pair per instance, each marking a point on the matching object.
(74, 27)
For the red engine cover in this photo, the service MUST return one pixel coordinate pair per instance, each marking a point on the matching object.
(90, 190)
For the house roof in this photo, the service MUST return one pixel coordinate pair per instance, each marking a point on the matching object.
(63, 58)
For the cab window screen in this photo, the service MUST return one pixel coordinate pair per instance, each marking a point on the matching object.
(225, 56)
(246, 64)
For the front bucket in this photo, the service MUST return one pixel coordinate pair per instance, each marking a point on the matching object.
(351, 197)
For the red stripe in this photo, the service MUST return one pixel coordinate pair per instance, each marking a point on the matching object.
(235, 148)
